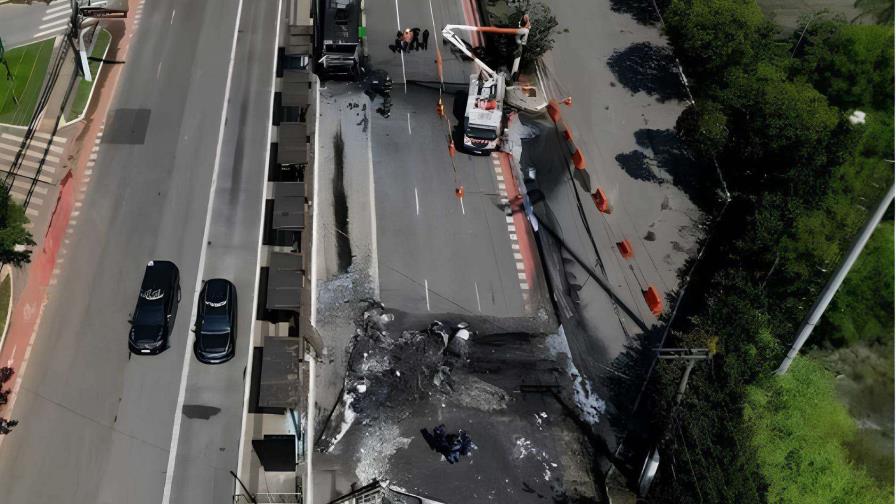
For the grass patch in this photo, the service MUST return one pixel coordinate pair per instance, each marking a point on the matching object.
(5, 293)
(84, 88)
(28, 65)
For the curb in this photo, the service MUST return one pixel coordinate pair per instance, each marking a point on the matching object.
(6, 271)
(95, 80)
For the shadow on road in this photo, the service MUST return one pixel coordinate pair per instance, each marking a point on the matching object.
(641, 11)
(648, 68)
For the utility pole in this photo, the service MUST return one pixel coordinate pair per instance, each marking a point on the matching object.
(77, 34)
(690, 356)
(824, 299)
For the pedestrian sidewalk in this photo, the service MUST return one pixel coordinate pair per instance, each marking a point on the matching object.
(43, 191)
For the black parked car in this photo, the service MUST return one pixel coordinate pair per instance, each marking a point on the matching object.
(156, 307)
(215, 326)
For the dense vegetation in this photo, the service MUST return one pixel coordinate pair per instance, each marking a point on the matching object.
(12, 231)
(774, 115)
(801, 433)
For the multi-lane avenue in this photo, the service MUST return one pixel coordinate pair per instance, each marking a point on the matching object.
(178, 176)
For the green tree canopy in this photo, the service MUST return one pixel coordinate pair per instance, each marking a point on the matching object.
(800, 431)
(703, 127)
(862, 310)
(850, 64)
(12, 231)
(542, 29)
(712, 36)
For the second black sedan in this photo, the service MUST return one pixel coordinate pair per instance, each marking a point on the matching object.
(215, 326)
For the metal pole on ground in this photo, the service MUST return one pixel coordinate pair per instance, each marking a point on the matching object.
(824, 299)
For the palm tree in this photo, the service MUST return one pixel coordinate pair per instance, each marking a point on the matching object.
(881, 11)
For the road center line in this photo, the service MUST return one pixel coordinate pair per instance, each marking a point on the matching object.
(426, 287)
(417, 200)
(401, 53)
(178, 411)
(478, 304)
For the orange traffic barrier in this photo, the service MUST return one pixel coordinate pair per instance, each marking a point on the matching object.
(554, 111)
(625, 248)
(654, 301)
(567, 101)
(578, 160)
(440, 108)
(451, 149)
(601, 201)
(459, 192)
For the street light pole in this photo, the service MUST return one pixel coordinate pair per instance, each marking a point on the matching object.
(77, 34)
(824, 299)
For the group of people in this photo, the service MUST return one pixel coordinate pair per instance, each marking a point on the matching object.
(410, 40)
(451, 446)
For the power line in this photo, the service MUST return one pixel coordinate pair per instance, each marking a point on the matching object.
(690, 463)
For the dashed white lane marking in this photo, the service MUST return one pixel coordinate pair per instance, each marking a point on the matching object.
(172, 16)
(404, 76)
(426, 287)
(171, 467)
(409, 123)
(511, 226)
(417, 200)
(478, 304)
(462, 209)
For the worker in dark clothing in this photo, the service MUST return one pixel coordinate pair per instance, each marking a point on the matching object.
(396, 46)
(425, 43)
(415, 42)
(406, 38)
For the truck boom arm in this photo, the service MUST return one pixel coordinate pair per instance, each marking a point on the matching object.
(522, 35)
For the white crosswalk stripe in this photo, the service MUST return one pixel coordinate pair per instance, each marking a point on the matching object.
(59, 23)
(39, 203)
(61, 7)
(62, 13)
(47, 33)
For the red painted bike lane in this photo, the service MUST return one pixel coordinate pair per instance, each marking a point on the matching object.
(28, 309)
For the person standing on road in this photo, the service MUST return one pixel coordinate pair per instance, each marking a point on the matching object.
(415, 41)
(396, 46)
(406, 40)
(425, 40)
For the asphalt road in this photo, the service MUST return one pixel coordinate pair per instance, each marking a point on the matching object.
(627, 96)
(436, 253)
(97, 424)
(211, 415)
(22, 24)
